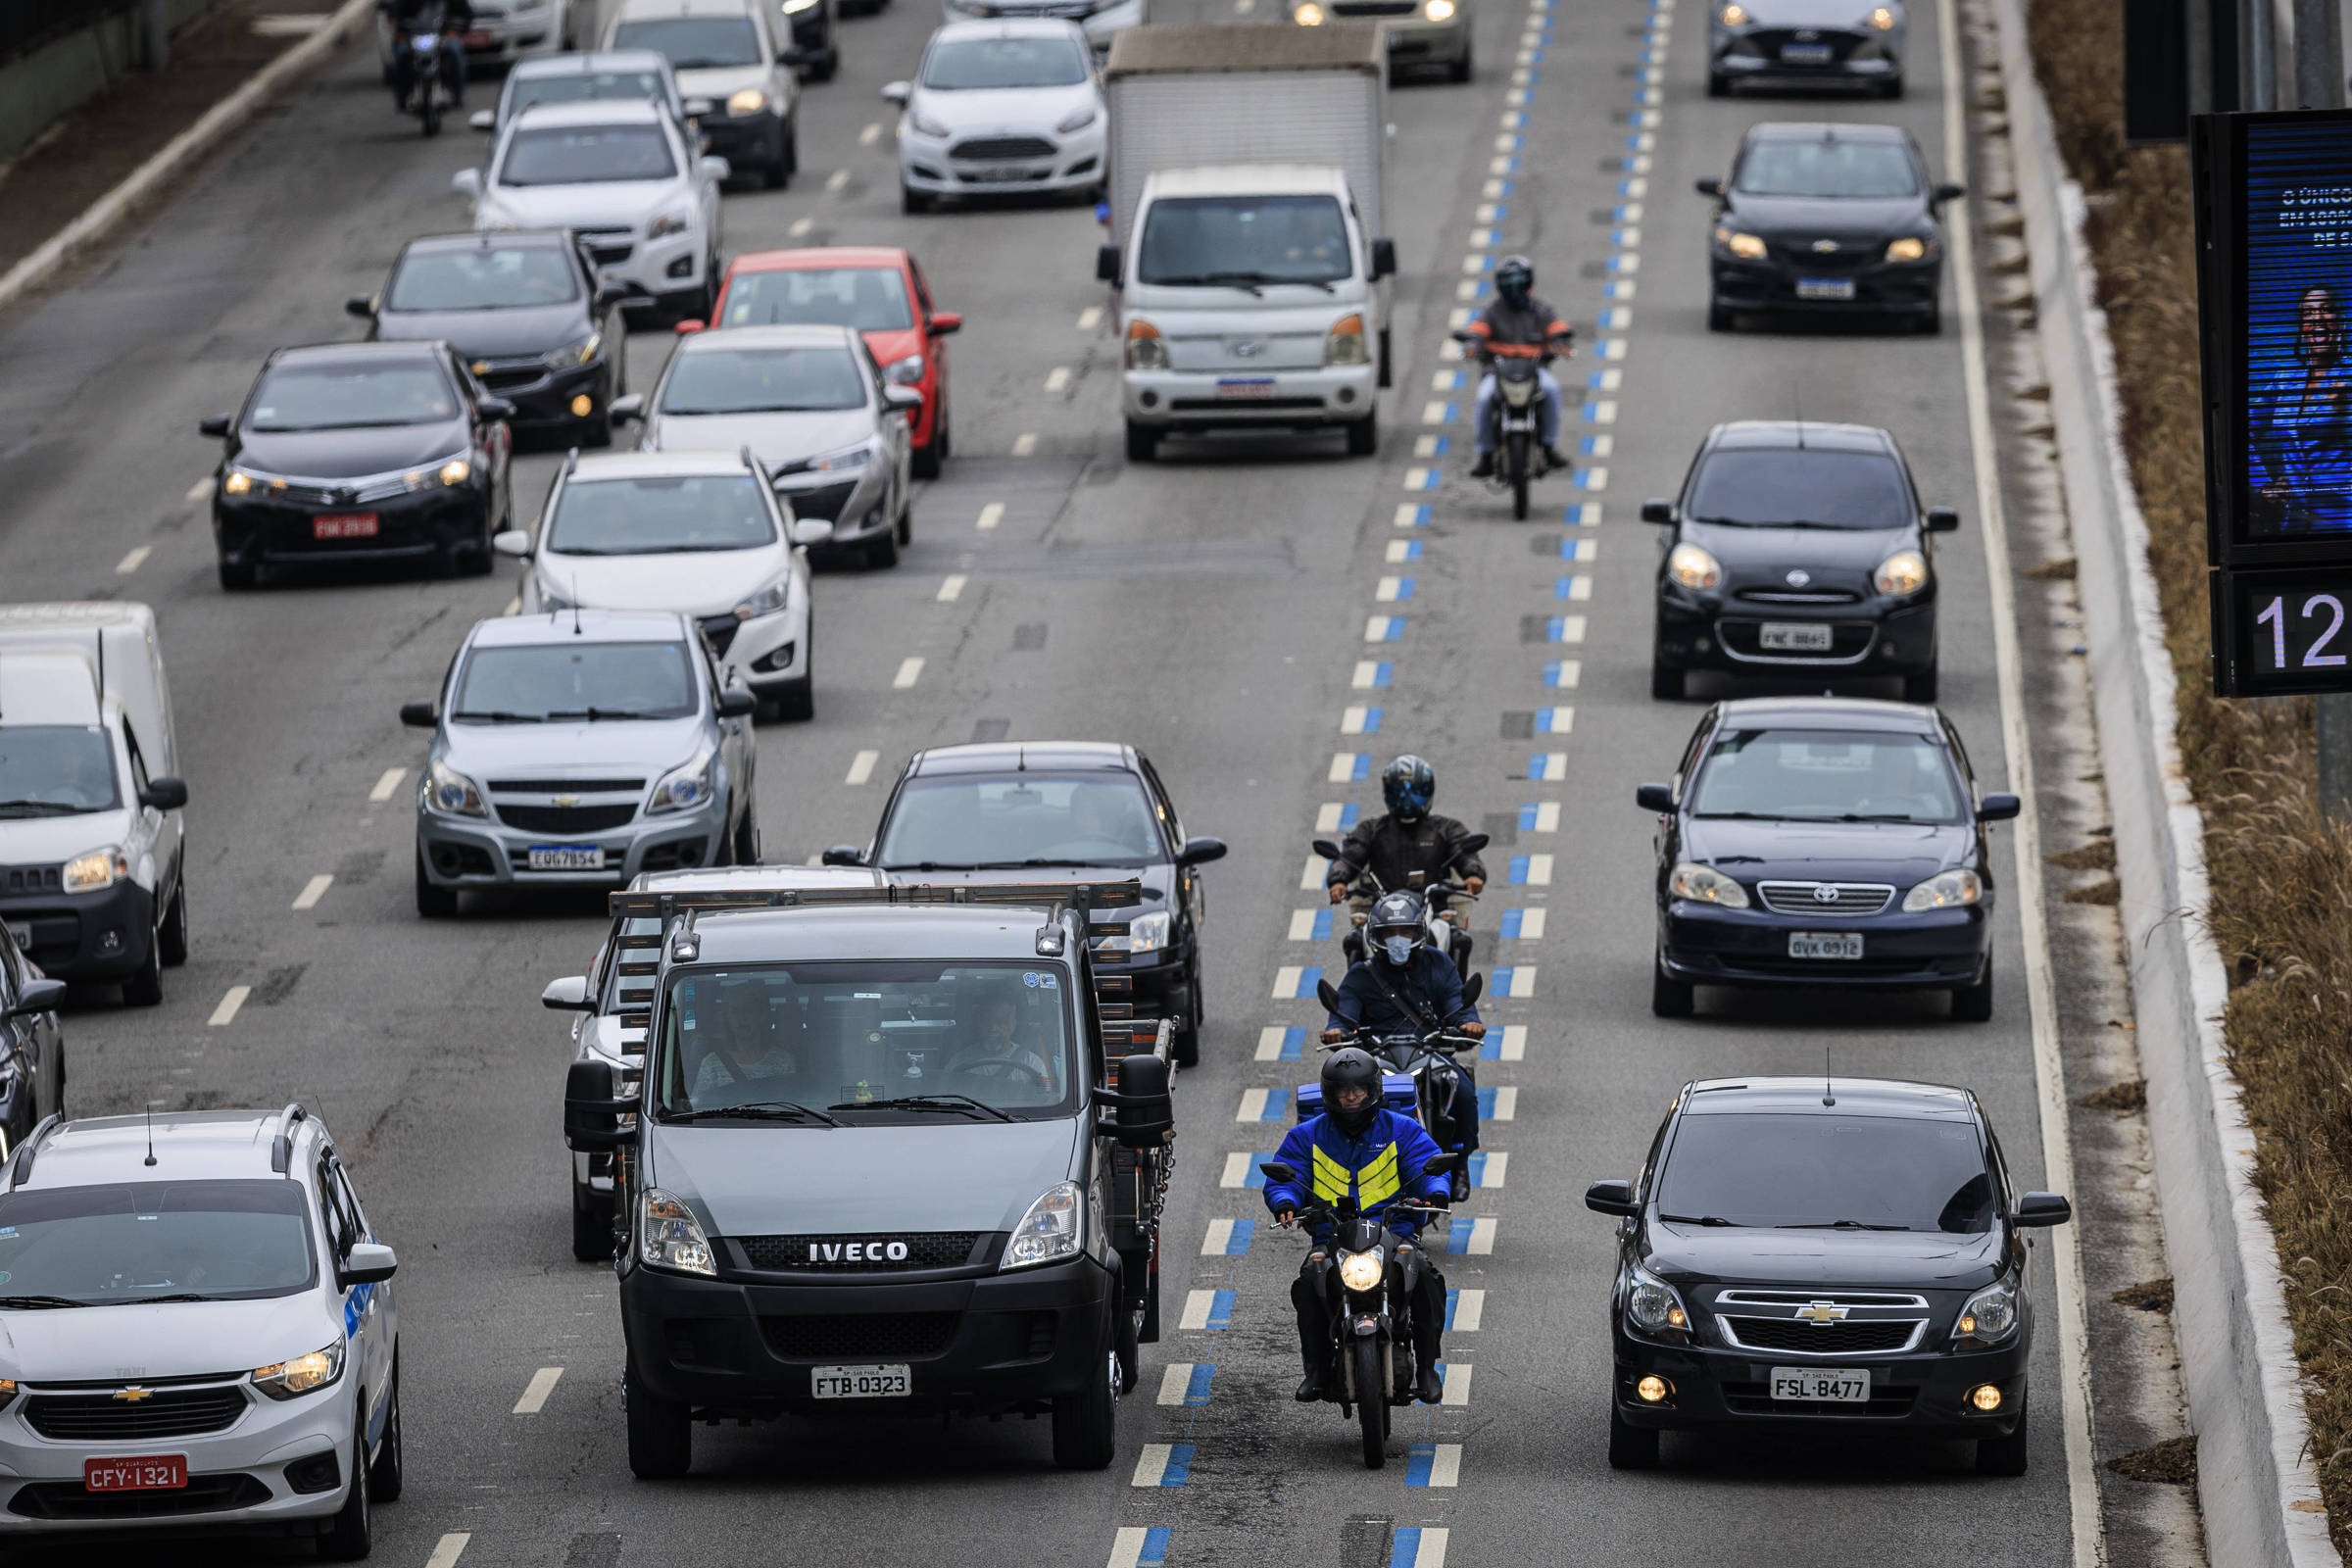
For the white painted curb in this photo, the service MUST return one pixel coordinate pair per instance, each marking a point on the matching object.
(182, 150)
(2255, 1479)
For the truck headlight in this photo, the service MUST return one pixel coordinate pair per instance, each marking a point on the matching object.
(685, 787)
(1656, 1307)
(1703, 884)
(286, 1380)
(452, 793)
(1360, 1271)
(1693, 567)
(668, 1236)
(1145, 933)
(1345, 343)
(1988, 1317)
(96, 870)
(1952, 891)
(1054, 1228)
(1147, 350)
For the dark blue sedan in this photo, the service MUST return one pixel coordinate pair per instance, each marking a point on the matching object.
(1824, 842)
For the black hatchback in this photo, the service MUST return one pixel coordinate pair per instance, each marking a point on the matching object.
(1826, 218)
(1824, 842)
(1831, 1255)
(1798, 550)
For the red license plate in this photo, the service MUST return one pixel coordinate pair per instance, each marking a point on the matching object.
(479, 39)
(158, 1472)
(345, 525)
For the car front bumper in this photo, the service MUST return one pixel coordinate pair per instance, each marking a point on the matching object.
(102, 935)
(524, 30)
(545, 399)
(1706, 632)
(1758, 54)
(1334, 394)
(1886, 288)
(1703, 944)
(928, 163)
(252, 530)
(769, 652)
(481, 853)
(1717, 1388)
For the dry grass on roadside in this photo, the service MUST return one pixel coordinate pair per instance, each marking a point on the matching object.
(2281, 878)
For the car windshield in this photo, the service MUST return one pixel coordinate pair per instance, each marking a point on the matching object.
(134, 1240)
(644, 680)
(348, 396)
(1805, 1170)
(872, 299)
(56, 770)
(651, 517)
(1867, 170)
(1802, 489)
(1828, 776)
(834, 1039)
(961, 65)
(584, 86)
(762, 381)
(1245, 241)
(692, 42)
(484, 278)
(1021, 819)
(586, 154)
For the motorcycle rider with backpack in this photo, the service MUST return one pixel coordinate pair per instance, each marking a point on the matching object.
(1406, 840)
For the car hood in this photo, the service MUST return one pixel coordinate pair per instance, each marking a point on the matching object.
(1838, 15)
(622, 203)
(693, 583)
(1019, 110)
(572, 750)
(181, 1339)
(888, 343)
(1685, 1254)
(346, 454)
(49, 840)
(943, 1175)
(1899, 853)
(1804, 219)
(775, 439)
(490, 334)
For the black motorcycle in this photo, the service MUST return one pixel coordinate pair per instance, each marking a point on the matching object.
(431, 89)
(1443, 1089)
(1436, 898)
(1515, 421)
(1372, 1354)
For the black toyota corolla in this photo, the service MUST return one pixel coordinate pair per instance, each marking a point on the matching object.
(360, 451)
(1824, 842)
(1828, 218)
(1797, 549)
(1831, 1254)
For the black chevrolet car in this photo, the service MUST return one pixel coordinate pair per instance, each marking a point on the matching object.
(1829, 1256)
(361, 452)
(1080, 810)
(1824, 842)
(526, 314)
(1828, 219)
(1798, 550)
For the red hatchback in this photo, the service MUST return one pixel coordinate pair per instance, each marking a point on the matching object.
(879, 290)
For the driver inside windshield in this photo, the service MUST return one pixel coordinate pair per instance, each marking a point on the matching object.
(999, 1049)
(733, 1051)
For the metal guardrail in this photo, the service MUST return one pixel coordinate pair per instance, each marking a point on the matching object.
(26, 25)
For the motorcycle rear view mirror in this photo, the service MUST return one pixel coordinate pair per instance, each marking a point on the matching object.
(1326, 849)
(1276, 1170)
(1440, 1164)
(1611, 1198)
(1472, 842)
(1472, 989)
(1327, 995)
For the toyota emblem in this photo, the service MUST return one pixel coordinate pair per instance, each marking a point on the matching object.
(1800, 577)
(1823, 893)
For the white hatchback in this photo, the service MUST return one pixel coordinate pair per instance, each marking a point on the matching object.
(998, 108)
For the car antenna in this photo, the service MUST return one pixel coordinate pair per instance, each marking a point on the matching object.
(150, 1132)
(575, 621)
(1829, 1096)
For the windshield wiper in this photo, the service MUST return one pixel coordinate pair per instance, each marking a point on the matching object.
(1702, 1219)
(29, 1303)
(754, 1110)
(592, 714)
(947, 1101)
(1873, 816)
(1777, 523)
(182, 1296)
(1840, 1225)
(1034, 860)
(43, 808)
(499, 716)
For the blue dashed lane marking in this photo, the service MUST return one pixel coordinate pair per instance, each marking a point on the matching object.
(1178, 1467)
(1471, 1236)
(1486, 1096)
(1309, 976)
(1382, 672)
(1415, 1548)
(1137, 1547)
(1236, 1244)
(1555, 628)
(1588, 478)
(1370, 726)
(1349, 814)
(1196, 1392)
(1500, 210)
(1255, 1178)
(1518, 876)
(1593, 446)
(1416, 517)
(1220, 1316)
(1578, 549)
(1322, 926)
(1424, 479)
(1552, 720)
(1512, 920)
(1482, 288)
(1278, 1106)
(1562, 673)
(1293, 1045)
(1440, 445)
(1453, 1302)
(1530, 815)
(1404, 589)
(1504, 211)
(1384, 629)
(1598, 380)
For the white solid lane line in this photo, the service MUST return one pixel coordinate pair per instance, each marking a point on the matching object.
(990, 515)
(389, 785)
(313, 890)
(448, 1548)
(134, 561)
(535, 1392)
(230, 1000)
(910, 671)
(861, 767)
(951, 588)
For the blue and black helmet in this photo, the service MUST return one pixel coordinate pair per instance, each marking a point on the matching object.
(1408, 785)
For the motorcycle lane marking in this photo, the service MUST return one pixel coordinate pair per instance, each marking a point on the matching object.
(536, 1391)
(448, 1549)
(1163, 1465)
(1264, 1104)
(1136, 1545)
(1418, 1547)
(1434, 1464)
(1487, 1167)
(1456, 1376)
(951, 588)
(1336, 816)
(135, 559)
(230, 1000)
(1359, 720)
(1563, 672)
(1186, 1383)
(1240, 1170)
(1228, 1237)
(1474, 1240)
(1465, 1311)
(990, 515)
(1349, 767)
(1373, 674)
(1281, 1042)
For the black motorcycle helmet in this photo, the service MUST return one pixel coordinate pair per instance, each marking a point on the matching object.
(1515, 280)
(1395, 927)
(1408, 785)
(1351, 1068)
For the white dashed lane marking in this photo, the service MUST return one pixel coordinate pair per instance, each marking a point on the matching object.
(313, 890)
(861, 767)
(839, 179)
(1025, 444)
(1457, 1384)
(1469, 1308)
(230, 1000)
(535, 1392)
(448, 1549)
(950, 589)
(870, 134)
(1057, 378)
(388, 785)
(910, 671)
(201, 490)
(990, 515)
(1090, 318)
(133, 559)
(800, 226)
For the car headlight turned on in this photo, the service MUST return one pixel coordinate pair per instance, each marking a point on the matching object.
(668, 1236)
(1438, 10)
(1748, 247)
(1654, 1308)
(793, 8)
(1988, 1317)
(96, 870)
(1309, 15)
(685, 787)
(572, 353)
(1360, 1271)
(238, 483)
(1147, 350)
(1345, 343)
(1703, 884)
(1883, 19)
(904, 373)
(1910, 248)
(1693, 567)
(750, 101)
(1954, 890)
(1734, 15)
(1054, 1228)
(1145, 933)
(1904, 572)
(288, 1380)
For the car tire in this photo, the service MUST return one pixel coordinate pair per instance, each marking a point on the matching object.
(1143, 442)
(1920, 688)
(1463, 70)
(1973, 1004)
(1186, 1045)
(914, 202)
(351, 1533)
(1631, 1447)
(1930, 325)
(1719, 317)
(661, 1431)
(1363, 436)
(1085, 1425)
(385, 1475)
(172, 935)
(145, 987)
(2005, 1456)
(236, 577)
(1892, 88)
(1719, 85)
(778, 174)
(795, 703)
(1667, 683)
(932, 455)
(747, 840)
(882, 550)
(903, 528)
(1670, 998)
(591, 1226)
(433, 902)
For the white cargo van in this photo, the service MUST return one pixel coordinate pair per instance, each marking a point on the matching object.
(1245, 202)
(90, 796)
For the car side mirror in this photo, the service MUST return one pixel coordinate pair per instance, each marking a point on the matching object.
(1942, 520)
(1657, 510)
(791, 56)
(897, 92)
(697, 108)
(1997, 808)
(165, 794)
(1708, 187)
(215, 424)
(608, 295)
(2041, 1208)
(467, 182)
(1106, 264)
(483, 120)
(627, 408)
(1472, 989)
(1440, 1164)
(420, 715)
(361, 306)
(366, 1263)
(1147, 1110)
(736, 702)
(1654, 796)
(567, 995)
(496, 408)
(1948, 192)
(717, 167)
(1472, 842)
(901, 399)
(689, 327)
(1326, 849)
(945, 324)
(811, 530)
(1278, 1171)
(1611, 1198)
(1201, 850)
(844, 855)
(1384, 258)
(38, 996)
(1328, 995)
(512, 542)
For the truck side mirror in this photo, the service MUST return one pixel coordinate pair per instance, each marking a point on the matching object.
(844, 854)
(567, 995)
(1147, 1110)
(1384, 258)
(591, 1115)
(1611, 1198)
(1106, 264)
(165, 794)
(1654, 796)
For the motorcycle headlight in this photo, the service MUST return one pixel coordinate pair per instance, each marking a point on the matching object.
(668, 1236)
(572, 353)
(1145, 933)
(1054, 1228)
(904, 373)
(925, 124)
(1693, 567)
(686, 787)
(669, 224)
(749, 101)
(1910, 248)
(452, 793)
(1345, 343)
(1904, 572)
(1988, 1317)
(1748, 247)
(100, 869)
(1147, 350)
(1076, 120)
(767, 601)
(1654, 1308)
(1703, 884)
(1952, 890)
(1359, 1271)
(286, 1380)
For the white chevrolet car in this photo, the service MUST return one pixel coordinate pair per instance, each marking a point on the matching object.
(998, 108)
(643, 200)
(196, 1330)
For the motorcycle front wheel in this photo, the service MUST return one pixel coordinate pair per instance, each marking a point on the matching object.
(1372, 1401)
(429, 110)
(1518, 463)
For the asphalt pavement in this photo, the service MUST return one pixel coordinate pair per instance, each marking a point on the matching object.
(1265, 617)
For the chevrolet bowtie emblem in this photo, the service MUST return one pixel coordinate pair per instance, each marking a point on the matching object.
(567, 800)
(133, 1395)
(1822, 1314)
(1825, 247)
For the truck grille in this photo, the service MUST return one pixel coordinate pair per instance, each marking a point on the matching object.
(164, 1413)
(567, 818)
(803, 1254)
(981, 149)
(1845, 898)
(852, 1336)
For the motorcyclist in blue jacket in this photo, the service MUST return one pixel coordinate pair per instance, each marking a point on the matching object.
(1405, 985)
(1358, 1149)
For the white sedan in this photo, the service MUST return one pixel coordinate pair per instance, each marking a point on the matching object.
(1001, 107)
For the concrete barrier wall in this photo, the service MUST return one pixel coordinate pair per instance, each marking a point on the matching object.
(57, 77)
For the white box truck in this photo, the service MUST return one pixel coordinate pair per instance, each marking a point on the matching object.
(90, 795)
(1247, 246)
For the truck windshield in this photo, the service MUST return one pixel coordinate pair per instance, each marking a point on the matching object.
(1244, 240)
(56, 770)
(964, 823)
(136, 1241)
(842, 1041)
